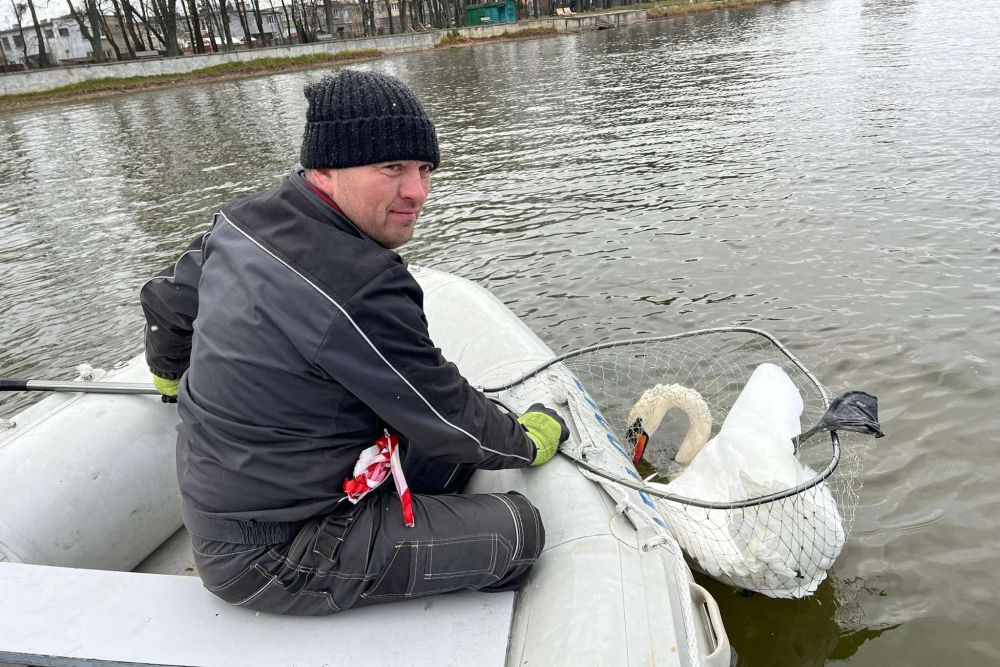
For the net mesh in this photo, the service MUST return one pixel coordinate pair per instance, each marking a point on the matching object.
(779, 546)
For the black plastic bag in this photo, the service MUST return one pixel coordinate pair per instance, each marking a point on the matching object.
(852, 411)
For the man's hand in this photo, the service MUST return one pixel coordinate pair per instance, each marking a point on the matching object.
(546, 429)
(167, 389)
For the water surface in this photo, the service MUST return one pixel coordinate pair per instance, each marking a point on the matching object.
(826, 170)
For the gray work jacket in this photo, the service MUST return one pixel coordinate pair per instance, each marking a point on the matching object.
(297, 339)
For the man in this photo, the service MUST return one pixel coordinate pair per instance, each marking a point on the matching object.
(294, 339)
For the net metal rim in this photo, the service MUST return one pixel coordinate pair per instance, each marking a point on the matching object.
(819, 478)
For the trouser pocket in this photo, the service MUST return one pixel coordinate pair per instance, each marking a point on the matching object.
(442, 565)
(244, 587)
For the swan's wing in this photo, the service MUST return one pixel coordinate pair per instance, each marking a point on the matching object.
(769, 398)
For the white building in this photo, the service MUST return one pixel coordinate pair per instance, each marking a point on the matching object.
(64, 43)
(276, 28)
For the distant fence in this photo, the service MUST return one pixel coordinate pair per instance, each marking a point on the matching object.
(32, 81)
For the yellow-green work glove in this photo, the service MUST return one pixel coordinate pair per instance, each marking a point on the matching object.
(168, 388)
(546, 429)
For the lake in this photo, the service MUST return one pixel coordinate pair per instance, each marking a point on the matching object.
(826, 170)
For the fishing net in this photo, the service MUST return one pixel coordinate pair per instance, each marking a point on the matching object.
(776, 534)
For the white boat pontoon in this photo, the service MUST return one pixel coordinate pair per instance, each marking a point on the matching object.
(95, 566)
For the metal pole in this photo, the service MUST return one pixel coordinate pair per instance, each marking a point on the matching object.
(79, 387)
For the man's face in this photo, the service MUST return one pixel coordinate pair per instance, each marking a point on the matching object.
(384, 200)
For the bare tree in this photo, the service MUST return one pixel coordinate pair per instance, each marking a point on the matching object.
(388, 12)
(150, 30)
(258, 19)
(416, 16)
(187, 24)
(224, 20)
(241, 12)
(94, 18)
(297, 20)
(165, 12)
(43, 57)
(278, 34)
(19, 9)
(93, 32)
(211, 23)
(111, 39)
(129, 13)
(288, 21)
(313, 9)
(121, 22)
(194, 26)
(368, 17)
(328, 12)
(164, 23)
(308, 33)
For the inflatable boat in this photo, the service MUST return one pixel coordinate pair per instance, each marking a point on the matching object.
(95, 565)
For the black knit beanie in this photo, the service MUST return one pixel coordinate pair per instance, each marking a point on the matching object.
(357, 118)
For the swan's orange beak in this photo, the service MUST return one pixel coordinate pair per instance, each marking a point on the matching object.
(638, 438)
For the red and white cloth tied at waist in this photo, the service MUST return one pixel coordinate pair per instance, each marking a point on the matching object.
(374, 465)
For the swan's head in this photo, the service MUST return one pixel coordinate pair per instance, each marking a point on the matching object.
(648, 412)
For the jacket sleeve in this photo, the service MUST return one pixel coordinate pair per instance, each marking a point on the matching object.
(379, 349)
(170, 304)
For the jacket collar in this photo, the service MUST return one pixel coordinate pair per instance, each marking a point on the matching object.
(326, 209)
(322, 206)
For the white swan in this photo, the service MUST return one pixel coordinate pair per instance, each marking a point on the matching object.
(782, 548)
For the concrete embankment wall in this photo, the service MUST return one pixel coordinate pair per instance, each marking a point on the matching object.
(46, 79)
(558, 23)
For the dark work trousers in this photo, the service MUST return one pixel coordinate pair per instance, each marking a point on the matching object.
(363, 554)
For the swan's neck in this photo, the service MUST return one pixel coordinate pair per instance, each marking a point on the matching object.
(659, 400)
(699, 428)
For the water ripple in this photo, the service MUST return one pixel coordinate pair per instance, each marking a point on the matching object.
(826, 170)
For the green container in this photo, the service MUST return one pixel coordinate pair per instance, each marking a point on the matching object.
(491, 12)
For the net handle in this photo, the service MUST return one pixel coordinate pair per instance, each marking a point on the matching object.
(642, 486)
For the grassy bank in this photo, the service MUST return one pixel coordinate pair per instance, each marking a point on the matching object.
(233, 70)
(663, 8)
(660, 10)
(455, 38)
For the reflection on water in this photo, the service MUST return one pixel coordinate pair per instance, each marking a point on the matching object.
(830, 626)
(823, 169)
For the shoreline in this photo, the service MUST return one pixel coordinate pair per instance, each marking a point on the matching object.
(98, 88)
(264, 66)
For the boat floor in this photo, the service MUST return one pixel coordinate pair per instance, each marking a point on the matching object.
(156, 615)
(172, 557)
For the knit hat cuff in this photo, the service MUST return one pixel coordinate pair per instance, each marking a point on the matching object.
(353, 142)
